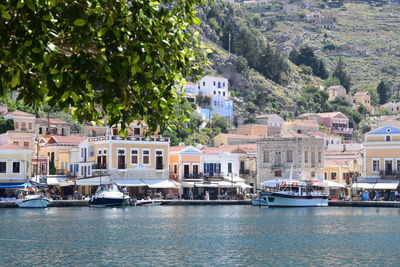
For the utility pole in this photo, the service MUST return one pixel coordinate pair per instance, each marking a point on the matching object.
(229, 43)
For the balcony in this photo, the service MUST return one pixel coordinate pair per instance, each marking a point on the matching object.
(278, 165)
(129, 138)
(99, 166)
(244, 171)
(191, 176)
(214, 174)
(389, 174)
(341, 130)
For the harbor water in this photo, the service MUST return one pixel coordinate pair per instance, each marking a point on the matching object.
(200, 236)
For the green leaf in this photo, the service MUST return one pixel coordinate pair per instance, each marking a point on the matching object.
(5, 15)
(109, 78)
(102, 31)
(15, 81)
(196, 20)
(46, 58)
(31, 5)
(36, 50)
(74, 96)
(47, 17)
(20, 4)
(80, 22)
(57, 79)
(65, 96)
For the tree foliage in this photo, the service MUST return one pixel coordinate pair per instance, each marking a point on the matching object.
(6, 125)
(307, 57)
(342, 75)
(383, 90)
(313, 100)
(119, 60)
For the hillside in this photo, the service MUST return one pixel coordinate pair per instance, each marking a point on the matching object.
(366, 36)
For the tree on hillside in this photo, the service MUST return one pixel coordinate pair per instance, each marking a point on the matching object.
(342, 75)
(5, 125)
(313, 99)
(307, 57)
(383, 90)
(118, 60)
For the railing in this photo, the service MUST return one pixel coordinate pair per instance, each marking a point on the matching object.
(340, 130)
(129, 138)
(389, 173)
(121, 166)
(244, 171)
(213, 174)
(278, 165)
(159, 166)
(191, 176)
(99, 166)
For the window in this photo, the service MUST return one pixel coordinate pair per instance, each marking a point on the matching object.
(136, 131)
(266, 155)
(215, 92)
(278, 173)
(319, 157)
(214, 83)
(333, 176)
(23, 126)
(16, 167)
(3, 167)
(159, 160)
(146, 157)
(121, 158)
(16, 143)
(375, 165)
(30, 126)
(40, 130)
(223, 93)
(289, 156)
(43, 167)
(219, 84)
(16, 125)
(312, 159)
(26, 144)
(387, 138)
(306, 156)
(326, 175)
(175, 169)
(230, 167)
(223, 84)
(204, 83)
(62, 131)
(134, 156)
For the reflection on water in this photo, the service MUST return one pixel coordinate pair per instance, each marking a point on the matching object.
(204, 235)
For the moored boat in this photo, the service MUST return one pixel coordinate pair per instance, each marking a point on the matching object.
(107, 196)
(33, 201)
(291, 193)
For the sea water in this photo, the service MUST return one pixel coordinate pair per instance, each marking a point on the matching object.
(200, 236)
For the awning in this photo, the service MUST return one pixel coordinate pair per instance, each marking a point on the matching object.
(206, 185)
(244, 186)
(134, 183)
(187, 184)
(87, 181)
(380, 186)
(55, 180)
(225, 184)
(327, 183)
(161, 184)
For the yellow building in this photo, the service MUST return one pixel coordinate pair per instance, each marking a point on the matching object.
(362, 98)
(14, 165)
(382, 158)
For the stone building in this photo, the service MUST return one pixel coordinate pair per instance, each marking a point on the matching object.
(301, 155)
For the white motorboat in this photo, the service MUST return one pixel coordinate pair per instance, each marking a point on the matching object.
(147, 202)
(107, 196)
(291, 193)
(33, 201)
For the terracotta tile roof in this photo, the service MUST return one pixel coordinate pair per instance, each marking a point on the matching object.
(339, 162)
(241, 136)
(51, 121)
(66, 139)
(266, 116)
(322, 134)
(361, 93)
(177, 148)
(13, 147)
(306, 123)
(291, 134)
(18, 113)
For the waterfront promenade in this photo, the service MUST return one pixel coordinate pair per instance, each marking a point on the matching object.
(174, 202)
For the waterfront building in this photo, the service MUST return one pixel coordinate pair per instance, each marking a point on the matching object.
(362, 98)
(336, 122)
(381, 159)
(274, 122)
(301, 126)
(14, 166)
(329, 139)
(49, 126)
(299, 154)
(233, 139)
(24, 129)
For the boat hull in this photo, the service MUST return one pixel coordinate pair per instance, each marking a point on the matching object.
(273, 199)
(106, 202)
(33, 203)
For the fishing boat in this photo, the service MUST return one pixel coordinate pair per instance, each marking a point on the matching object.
(31, 198)
(107, 196)
(291, 193)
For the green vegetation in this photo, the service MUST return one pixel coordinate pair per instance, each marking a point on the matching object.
(117, 60)
(6, 125)
(383, 90)
(307, 57)
(341, 74)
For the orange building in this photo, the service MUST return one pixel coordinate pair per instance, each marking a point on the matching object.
(184, 163)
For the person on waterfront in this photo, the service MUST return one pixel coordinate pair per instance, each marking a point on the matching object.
(75, 195)
(190, 195)
(207, 196)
